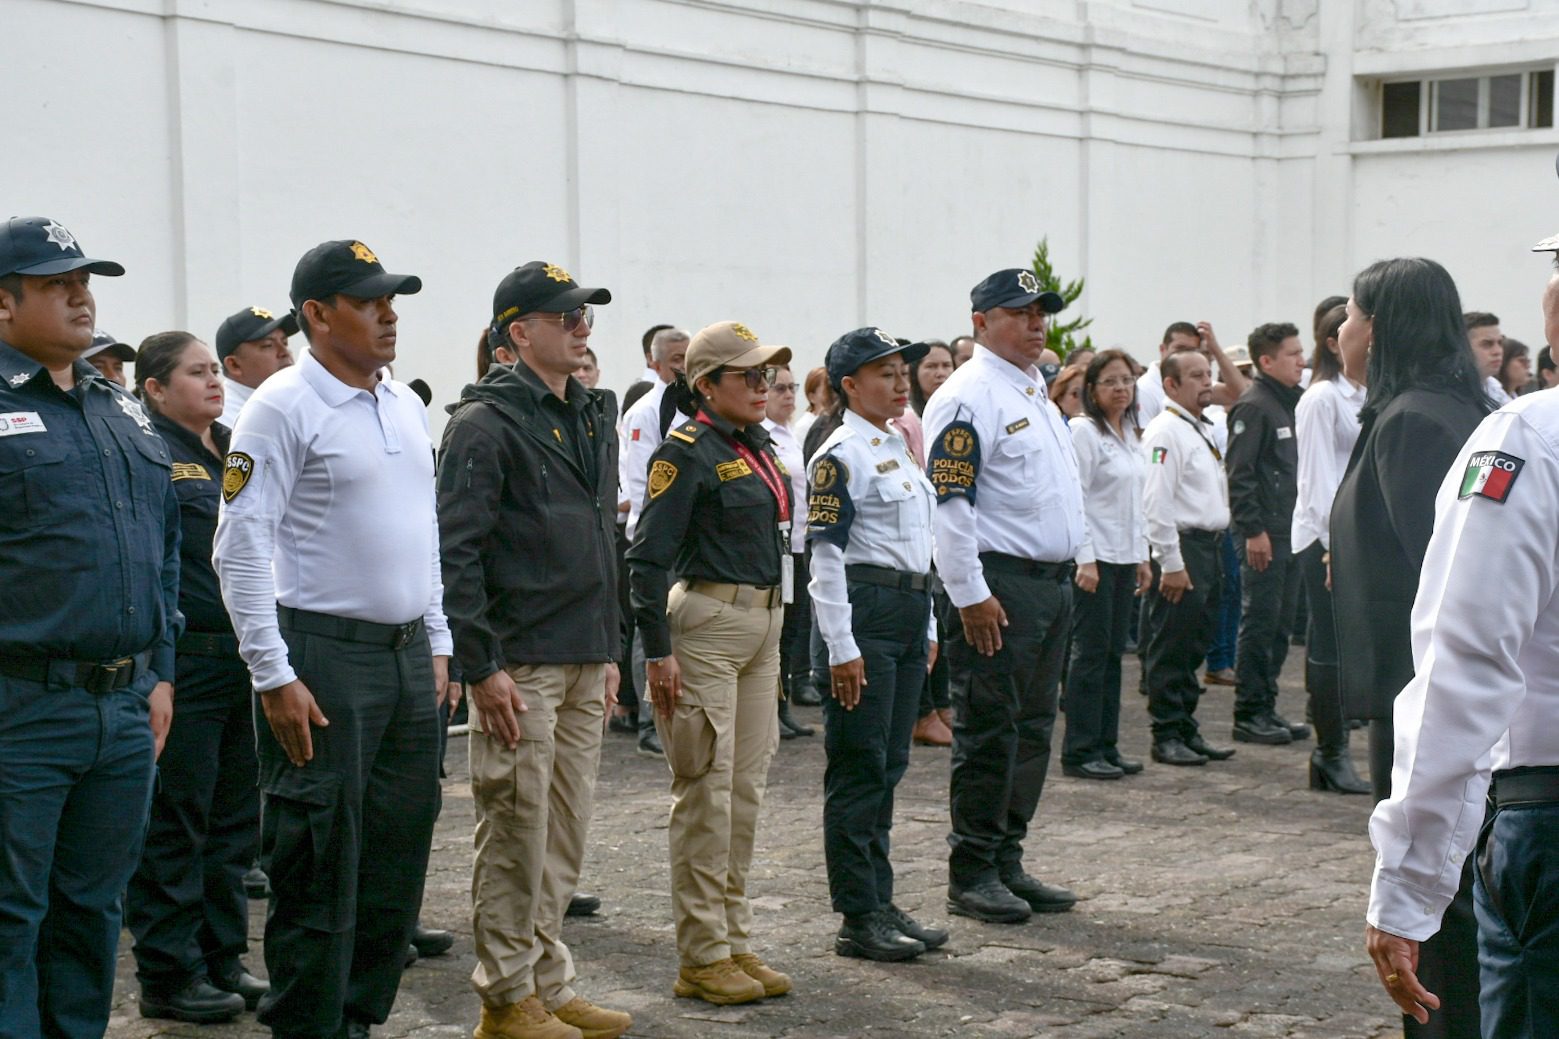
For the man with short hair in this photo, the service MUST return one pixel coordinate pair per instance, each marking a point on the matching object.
(252, 346)
(1263, 470)
(109, 356)
(1488, 350)
(327, 550)
(963, 349)
(1547, 372)
(89, 556)
(1179, 337)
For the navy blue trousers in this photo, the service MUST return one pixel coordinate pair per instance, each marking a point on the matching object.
(1516, 897)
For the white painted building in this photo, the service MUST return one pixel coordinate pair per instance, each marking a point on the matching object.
(806, 166)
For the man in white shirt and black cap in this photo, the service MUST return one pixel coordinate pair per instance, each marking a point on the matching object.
(109, 356)
(327, 549)
(252, 347)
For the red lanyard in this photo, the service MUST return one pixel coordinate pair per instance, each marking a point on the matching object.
(765, 470)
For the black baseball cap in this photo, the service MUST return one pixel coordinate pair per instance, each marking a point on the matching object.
(853, 349)
(38, 246)
(540, 288)
(1015, 288)
(104, 343)
(252, 323)
(349, 267)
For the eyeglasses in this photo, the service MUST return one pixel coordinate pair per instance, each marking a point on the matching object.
(784, 387)
(756, 378)
(1116, 383)
(570, 321)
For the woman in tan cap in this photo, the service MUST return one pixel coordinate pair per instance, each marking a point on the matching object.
(717, 522)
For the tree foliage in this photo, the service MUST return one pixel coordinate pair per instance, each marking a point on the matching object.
(1062, 336)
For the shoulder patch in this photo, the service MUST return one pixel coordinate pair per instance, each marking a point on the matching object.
(829, 508)
(826, 473)
(953, 462)
(1159, 455)
(1491, 475)
(237, 471)
(662, 475)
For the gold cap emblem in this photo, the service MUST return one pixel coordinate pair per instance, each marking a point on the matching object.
(737, 328)
(363, 253)
(261, 313)
(556, 273)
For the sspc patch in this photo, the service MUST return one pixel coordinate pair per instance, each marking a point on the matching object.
(1491, 475)
(1159, 455)
(237, 471)
(662, 475)
(954, 462)
(829, 508)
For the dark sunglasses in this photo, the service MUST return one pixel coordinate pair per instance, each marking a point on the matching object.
(570, 321)
(756, 378)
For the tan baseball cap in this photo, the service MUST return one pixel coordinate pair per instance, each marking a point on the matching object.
(729, 344)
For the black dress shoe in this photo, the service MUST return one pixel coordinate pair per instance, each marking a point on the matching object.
(236, 978)
(411, 957)
(649, 746)
(429, 942)
(1042, 898)
(199, 1003)
(1093, 770)
(355, 1030)
(989, 900)
(930, 937)
(1296, 730)
(582, 904)
(1211, 753)
(622, 723)
(873, 937)
(788, 726)
(1175, 752)
(1126, 765)
(1261, 730)
(257, 885)
(807, 696)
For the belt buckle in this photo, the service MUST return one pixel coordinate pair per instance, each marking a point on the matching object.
(404, 634)
(104, 678)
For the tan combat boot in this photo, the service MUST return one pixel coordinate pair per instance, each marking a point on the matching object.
(774, 983)
(592, 1021)
(527, 1019)
(720, 982)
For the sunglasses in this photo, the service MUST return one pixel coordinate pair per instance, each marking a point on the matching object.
(570, 321)
(756, 378)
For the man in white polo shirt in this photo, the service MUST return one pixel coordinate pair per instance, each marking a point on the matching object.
(329, 475)
(252, 347)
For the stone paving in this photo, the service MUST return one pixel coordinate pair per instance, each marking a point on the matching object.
(1226, 900)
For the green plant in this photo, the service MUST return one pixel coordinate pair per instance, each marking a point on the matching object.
(1062, 335)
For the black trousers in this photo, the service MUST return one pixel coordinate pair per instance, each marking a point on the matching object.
(795, 646)
(186, 905)
(1004, 708)
(1093, 687)
(936, 695)
(868, 747)
(1516, 874)
(628, 690)
(1268, 599)
(345, 838)
(1178, 637)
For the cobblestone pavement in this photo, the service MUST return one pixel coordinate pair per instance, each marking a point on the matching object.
(1226, 900)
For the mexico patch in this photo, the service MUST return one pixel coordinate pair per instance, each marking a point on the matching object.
(1490, 474)
(237, 470)
(1159, 455)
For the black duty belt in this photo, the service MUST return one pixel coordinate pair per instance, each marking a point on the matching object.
(93, 676)
(1002, 563)
(1193, 534)
(391, 636)
(208, 644)
(1532, 784)
(888, 577)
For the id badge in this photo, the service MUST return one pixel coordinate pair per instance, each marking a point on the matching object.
(787, 568)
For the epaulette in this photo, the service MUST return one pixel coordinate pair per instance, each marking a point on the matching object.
(686, 433)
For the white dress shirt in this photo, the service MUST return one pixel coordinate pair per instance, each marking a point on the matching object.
(328, 507)
(651, 375)
(879, 503)
(1186, 487)
(1327, 425)
(1496, 392)
(1150, 394)
(1112, 472)
(1485, 691)
(636, 442)
(234, 396)
(1023, 498)
(788, 448)
(801, 423)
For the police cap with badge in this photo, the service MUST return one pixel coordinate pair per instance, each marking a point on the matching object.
(38, 246)
(105, 343)
(539, 287)
(1014, 288)
(250, 324)
(346, 267)
(729, 344)
(853, 350)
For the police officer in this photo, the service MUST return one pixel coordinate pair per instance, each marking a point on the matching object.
(1186, 502)
(186, 905)
(252, 346)
(1009, 520)
(1478, 726)
(89, 551)
(109, 356)
(717, 520)
(527, 496)
(330, 472)
(869, 512)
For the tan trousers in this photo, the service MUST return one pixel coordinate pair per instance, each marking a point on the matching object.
(532, 810)
(719, 741)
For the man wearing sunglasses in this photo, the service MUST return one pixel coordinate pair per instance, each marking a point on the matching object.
(527, 501)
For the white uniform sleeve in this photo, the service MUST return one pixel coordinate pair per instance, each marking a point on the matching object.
(1158, 500)
(1491, 569)
(258, 476)
(633, 460)
(440, 641)
(831, 602)
(1086, 445)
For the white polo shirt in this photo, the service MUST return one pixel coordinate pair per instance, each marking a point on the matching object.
(636, 442)
(328, 506)
(1186, 487)
(234, 396)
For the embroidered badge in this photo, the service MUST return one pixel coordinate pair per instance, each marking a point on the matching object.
(744, 332)
(958, 441)
(266, 315)
(1239, 426)
(1027, 282)
(954, 462)
(363, 253)
(20, 377)
(735, 469)
(237, 469)
(1491, 474)
(556, 273)
(885, 337)
(824, 474)
(190, 471)
(132, 407)
(829, 509)
(635, 437)
(1022, 423)
(59, 236)
(1159, 455)
(662, 474)
(14, 422)
(888, 466)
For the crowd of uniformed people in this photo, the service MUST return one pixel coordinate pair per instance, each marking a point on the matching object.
(205, 662)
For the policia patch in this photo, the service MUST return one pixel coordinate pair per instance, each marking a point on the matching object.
(662, 475)
(954, 462)
(829, 508)
(237, 470)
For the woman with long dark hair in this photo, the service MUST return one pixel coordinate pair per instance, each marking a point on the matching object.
(928, 373)
(1424, 400)
(1515, 368)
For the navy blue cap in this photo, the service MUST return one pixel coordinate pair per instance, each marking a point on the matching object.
(1015, 288)
(39, 246)
(349, 267)
(104, 342)
(249, 324)
(853, 349)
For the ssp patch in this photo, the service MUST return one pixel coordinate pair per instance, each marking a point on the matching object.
(1491, 475)
(662, 475)
(954, 462)
(1159, 455)
(237, 471)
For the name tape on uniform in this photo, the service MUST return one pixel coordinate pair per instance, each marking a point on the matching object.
(14, 423)
(735, 469)
(189, 471)
(1491, 475)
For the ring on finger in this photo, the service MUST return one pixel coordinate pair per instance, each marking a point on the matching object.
(1393, 978)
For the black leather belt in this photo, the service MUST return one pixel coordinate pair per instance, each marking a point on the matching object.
(888, 577)
(1529, 785)
(392, 636)
(1200, 535)
(93, 676)
(208, 644)
(1002, 563)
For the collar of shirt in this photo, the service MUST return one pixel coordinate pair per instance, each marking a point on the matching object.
(1175, 409)
(1026, 379)
(1347, 389)
(885, 442)
(171, 430)
(576, 396)
(16, 368)
(651, 375)
(754, 436)
(780, 433)
(332, 390)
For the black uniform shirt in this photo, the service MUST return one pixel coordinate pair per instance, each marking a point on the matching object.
(197, 480)
(89, 524)
(707, 516)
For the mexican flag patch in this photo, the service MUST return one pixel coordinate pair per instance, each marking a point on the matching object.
(1490, 474)
(1159, 454)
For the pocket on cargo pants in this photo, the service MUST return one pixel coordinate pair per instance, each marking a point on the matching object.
(690, 741)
